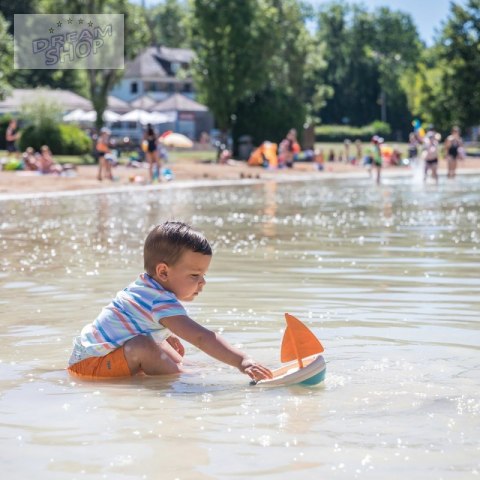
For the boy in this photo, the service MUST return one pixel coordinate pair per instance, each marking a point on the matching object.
(126, 338)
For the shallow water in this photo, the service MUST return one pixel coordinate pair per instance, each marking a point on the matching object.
(387, 277)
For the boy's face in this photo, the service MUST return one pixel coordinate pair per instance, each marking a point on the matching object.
(186, 278)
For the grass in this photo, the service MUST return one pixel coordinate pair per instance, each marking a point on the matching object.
(174, 156)
(190, 156)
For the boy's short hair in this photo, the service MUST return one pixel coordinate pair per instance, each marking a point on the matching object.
(168, 241)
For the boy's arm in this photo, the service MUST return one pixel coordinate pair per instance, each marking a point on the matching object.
(214, 345)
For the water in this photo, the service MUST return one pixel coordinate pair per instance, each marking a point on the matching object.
(387, 277)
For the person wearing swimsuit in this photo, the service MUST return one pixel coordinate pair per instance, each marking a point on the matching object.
(453, 146)
(151, 153)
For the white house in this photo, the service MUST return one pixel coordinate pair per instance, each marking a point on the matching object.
(156, 71)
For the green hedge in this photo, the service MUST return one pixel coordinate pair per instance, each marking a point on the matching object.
(339, 133)
(4, 121)
(62, 139)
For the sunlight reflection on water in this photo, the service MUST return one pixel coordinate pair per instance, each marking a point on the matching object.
(386, 277)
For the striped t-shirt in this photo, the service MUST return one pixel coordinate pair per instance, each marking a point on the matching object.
(137, 310)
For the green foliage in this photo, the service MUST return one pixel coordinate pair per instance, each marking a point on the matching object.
(62, 139)
(6, 56)
(74, 141)
(9, 8)
(366, 53)
(459, 50)
(268, 116)
(293, 88)
(425, 94)
(36, 135)
(74, 80)
(444, 90)
(167, 22)
(137, 36)
(42, 113)
(258, 66)
(338, 133)
(43, 118)
(4, 121)
(234, 42)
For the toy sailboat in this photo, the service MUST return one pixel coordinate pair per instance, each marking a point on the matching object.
(301, 349)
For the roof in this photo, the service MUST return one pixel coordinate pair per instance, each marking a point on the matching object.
(118, 105)
(180, 103)
(179, 55)
(145, 102)
(65, 98)
(154, 62)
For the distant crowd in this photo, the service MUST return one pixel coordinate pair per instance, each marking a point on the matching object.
(41, 161)
(421, 146)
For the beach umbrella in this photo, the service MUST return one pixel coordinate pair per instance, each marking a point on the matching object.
(176, 140)
(74, 115)
(144, 117)
(160, 117)
(136, 115)
(91, 116)
(110, 116)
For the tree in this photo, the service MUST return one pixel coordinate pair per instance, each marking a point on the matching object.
(459, 49)
(101, 81)
(6, 55)
(366, 54)
(397, 48)
(424, 91)
(292, 88)
(445, 88)
(334, 33)
(168, 24)
(234, 45)
(8, 8)
(25, 78)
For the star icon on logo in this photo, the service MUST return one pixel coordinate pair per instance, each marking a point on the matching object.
(51, 30)
(90, 24)
(80, 21)
(70, 20)
(59, 24)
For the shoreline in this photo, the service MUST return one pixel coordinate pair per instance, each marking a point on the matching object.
(29, 185)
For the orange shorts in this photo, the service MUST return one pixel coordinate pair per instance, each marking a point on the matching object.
(113, 365)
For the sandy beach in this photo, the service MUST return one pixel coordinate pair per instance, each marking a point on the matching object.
(85, 177)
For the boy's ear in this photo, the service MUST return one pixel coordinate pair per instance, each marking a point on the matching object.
(162, 271)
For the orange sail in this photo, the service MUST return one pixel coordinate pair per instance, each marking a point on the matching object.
(298, 341)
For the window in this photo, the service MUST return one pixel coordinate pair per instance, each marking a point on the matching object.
(152, 86)
(134, 87)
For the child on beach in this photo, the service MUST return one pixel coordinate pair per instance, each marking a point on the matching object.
(430, 153)
(138, 331)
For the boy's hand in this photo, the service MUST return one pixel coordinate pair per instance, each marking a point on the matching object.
(176, 345)
(255, 370)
